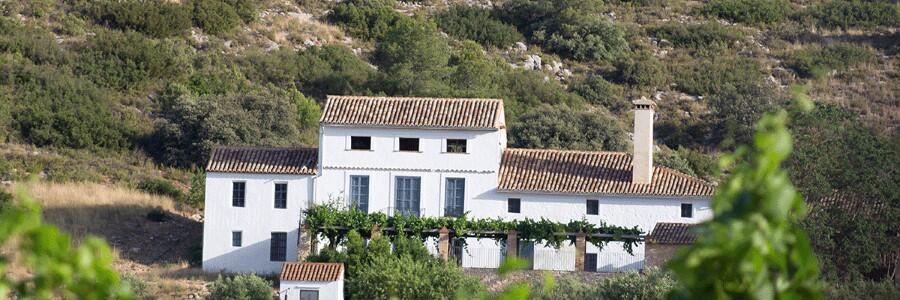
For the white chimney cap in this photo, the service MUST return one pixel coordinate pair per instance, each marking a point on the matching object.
(644, 103)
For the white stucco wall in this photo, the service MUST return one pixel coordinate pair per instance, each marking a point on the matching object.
(328, 290)
(256, 220)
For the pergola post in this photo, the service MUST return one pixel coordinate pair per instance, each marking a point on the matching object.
(305, 243)
(512, 244)
(580, 245)
(444, 243)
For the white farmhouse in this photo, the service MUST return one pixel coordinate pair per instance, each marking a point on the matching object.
(438, 157)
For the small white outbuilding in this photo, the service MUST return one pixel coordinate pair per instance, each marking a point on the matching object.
(311, 281)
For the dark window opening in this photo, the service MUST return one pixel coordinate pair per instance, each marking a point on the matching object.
(308, 295)
(514, 205)
(687, 210)
(456, 146)
(409, 144)
(359, 193)
(281, 195)
(278, 246)
(455, 196)
(238, 192)
(361, 142)
(236, 237)
(590, 262)
(593, 207)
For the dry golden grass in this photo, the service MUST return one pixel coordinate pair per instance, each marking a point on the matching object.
(80, 208)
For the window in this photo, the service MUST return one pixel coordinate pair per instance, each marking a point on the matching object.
(456, 193)
(238, 193)
(593, 207)
(514, 205)
(236, 238)
(409, 144)
(687, 210)
(308, 295)
(281, 195)
(456, 146)
(590, 262)
(359, 193)
(408, 193)
(361, 142)
(278, 246)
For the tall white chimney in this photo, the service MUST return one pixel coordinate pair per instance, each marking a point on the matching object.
(642, 172)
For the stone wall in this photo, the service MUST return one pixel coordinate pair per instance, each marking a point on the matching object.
(656, 255)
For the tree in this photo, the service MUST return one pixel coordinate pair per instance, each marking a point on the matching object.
(752, 248)
(477, 24)
(566, 128)
(414, 58)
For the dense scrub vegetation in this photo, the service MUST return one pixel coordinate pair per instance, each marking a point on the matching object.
(108, 89)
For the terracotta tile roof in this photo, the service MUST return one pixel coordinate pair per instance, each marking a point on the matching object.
(299, 161)
(853, 205)
(671, 233)
(414, 112)
(308, 271)
(589, 172)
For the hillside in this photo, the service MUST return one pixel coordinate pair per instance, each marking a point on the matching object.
(136, 93)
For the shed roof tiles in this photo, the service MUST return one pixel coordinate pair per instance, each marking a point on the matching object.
(309, 271)
(672, 233)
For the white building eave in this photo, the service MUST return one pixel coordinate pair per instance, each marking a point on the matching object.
(409, 127)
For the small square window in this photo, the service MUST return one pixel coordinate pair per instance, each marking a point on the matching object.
(514, 205)
(409, 144)
(593, 207)
(687, 210)
(456, 146)
(361, 142)
(236, 238)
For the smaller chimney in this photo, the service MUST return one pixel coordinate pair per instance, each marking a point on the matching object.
(642, 173)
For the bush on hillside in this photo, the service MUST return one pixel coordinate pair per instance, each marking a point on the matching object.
(712, 76)
(127, 60)
(50, 107)
(332, 70)
(851, 14)
(851, 290)
(591, 40)
(414, 57)
(565, 128)
(597, 91)
(157, 18)
(191, 125)
(474, 74)
(653, 284)
(240, 287)
(749, 11)
(818, 61)
(159, 186)
(246, 9)
(642, 71)
(697, 36)
(735, 109)
(215, 16)
(369, 20)
(523, 90)
(34, 43)
(477, 24)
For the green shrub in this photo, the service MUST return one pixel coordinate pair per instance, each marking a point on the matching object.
(818, 61)
(697, 36)
(369, 20)
(407, 278)
(246, 9)
(734, 111)
(849, 14)
(51, 107)
(673, 160)
(138, 287)
(523, 89)
(159, 186)
(414, 57)
(241, 287)
(713, 75)
(653, 284)
(566, 128)
(197, 195)
(191, 125)
(592, 40)
(317, 71)
(127, 60)
(215, 16)
(643, 71)
(158, 18)
(749, 11)
(34, 43)
(477, 24)
(850, 290)
(596, 90)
